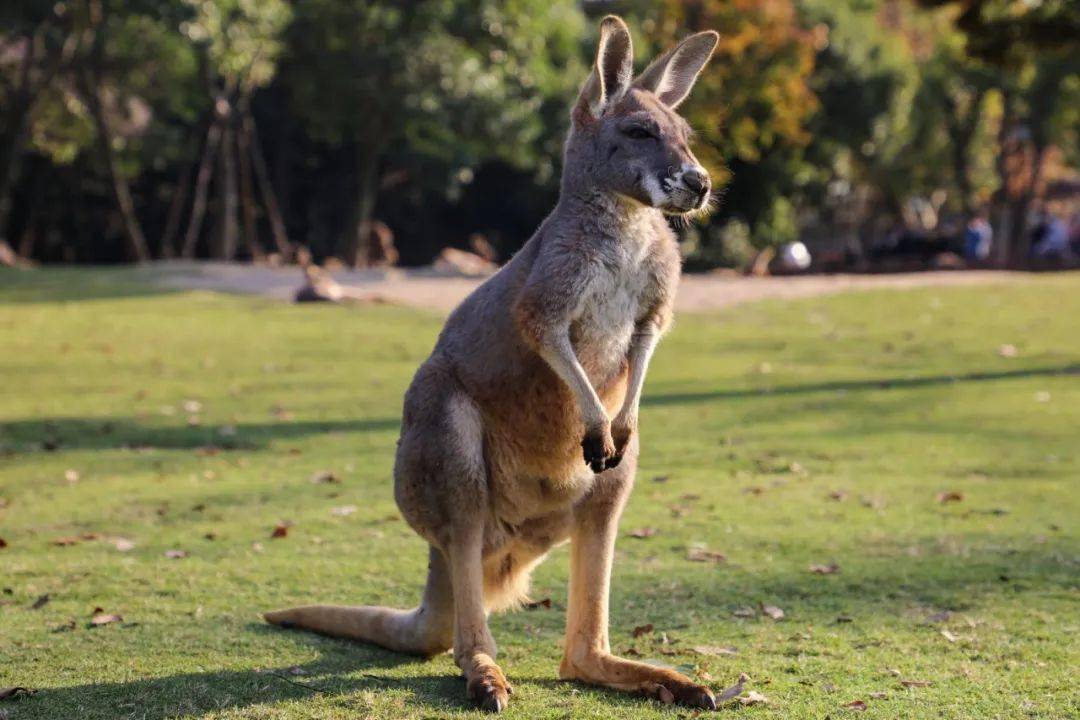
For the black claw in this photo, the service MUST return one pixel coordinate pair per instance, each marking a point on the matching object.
(708, 701)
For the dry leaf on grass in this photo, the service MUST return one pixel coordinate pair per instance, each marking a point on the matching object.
(829, 569)
(1007, 351)
(841, 619)
(771, 611)
(40, 602)
(734, 690)
(949, 496)
(123, 544)
(745, 612)
(714, 650)
(3, 543)
(642, 533)
(939, 617)
(838, 495)
(879, 695)
(643, 630)
(700, 554)
(324, 477)
(753, 698)
(102, 618)
(343, 511)
(537, 604)
(10, 693)
(916, 683)
(948, 636)
(65, 541)
(176, 554)
(856, 705)
(280, 530)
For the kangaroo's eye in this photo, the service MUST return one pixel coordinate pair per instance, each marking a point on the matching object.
(638, 133)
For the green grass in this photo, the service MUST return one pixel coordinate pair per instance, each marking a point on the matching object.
(754, 416)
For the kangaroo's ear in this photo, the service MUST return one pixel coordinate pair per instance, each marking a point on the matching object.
(671, 76)
(610, 77)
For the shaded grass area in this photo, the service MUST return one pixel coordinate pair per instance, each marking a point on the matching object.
(780, 434)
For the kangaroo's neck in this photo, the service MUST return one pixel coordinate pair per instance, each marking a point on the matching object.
(602, 212)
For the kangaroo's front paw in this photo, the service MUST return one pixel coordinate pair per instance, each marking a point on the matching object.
(490, 690)
(621, 432)
(598, 447)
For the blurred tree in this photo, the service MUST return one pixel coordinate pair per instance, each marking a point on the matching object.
(36, 43)
(238, 45)
(751, 105)
(432, 86)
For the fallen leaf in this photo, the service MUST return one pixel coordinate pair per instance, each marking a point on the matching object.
(700, 554)
(297, 670)
(192, 406)
(176, 554)
(10, 693)
(64, 627)
(734, 690)
(642, 533)
(257, 547)
(281, 413)
(937, 617)
(829, 569)
(537, 604)
(894, 672)
(3, 543)
(100, 619)
(123, 544)
(948, 636)
(879, 695)
(1007, 351)
(754, 490)
(72, 476)
(65, 541)
(40, 602)
(714, 650)
(1042, 396)
(753, 698)
(643, 630)
(949, 496)
(874, 503)
(772, 611)
(841, 619)
(661, 478)
(838, 495)
(916, 683)
(745, 612)
(280, 530)
(856, 705)
(343, 511)
(324, 477)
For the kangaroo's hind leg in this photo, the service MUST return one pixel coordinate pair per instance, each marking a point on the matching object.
(427, 629)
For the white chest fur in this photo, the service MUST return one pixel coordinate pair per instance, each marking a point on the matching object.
(610, 307)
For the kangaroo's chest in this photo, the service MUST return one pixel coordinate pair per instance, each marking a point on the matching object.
(613, 302)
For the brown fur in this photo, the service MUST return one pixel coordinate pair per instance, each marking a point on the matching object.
(540, 369)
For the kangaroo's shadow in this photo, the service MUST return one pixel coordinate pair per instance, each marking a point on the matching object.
(342, 669)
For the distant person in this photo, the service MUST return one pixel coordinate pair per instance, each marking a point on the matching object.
(978, 238)
(1051, 239)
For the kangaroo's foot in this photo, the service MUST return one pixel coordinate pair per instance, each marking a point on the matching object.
(607, 670)
(486, 685)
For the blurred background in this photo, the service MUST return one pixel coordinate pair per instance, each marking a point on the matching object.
(851, 135)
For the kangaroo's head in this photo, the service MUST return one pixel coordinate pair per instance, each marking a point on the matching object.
(626, 137)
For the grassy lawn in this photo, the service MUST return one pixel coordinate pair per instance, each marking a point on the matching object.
(782, 435)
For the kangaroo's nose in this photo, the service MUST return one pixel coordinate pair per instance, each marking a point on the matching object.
(696, 180)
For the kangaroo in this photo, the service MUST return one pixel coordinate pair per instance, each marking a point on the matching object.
(520, 431)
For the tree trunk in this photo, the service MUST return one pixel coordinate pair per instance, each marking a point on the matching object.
(227, 234)
(19, 121)
(176, 211)
(266, 189)
(133, 234)
(358, 233)
(91, 89)
(202, 185)
(247, 194)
